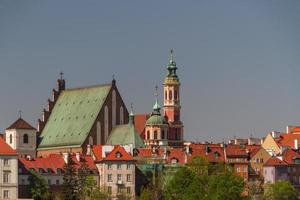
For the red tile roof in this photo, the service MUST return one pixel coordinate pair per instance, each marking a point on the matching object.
(273, 161)
(287, 139)
(214, 153)
(289, 156)
(5, 149)
(20, 124)
(236, 150)
(124, 156)
(113, 155)
(139, 123)
(54, 162)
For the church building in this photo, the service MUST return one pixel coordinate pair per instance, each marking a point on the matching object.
(78, 117)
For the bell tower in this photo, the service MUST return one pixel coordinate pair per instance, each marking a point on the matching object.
(172, 104)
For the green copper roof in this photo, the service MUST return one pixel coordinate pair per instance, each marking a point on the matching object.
(125, 134)
(156, 106)
(156, 120)
(73, 116)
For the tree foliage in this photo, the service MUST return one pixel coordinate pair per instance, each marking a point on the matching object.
(70, 186)
(38, 187)
(281, 190)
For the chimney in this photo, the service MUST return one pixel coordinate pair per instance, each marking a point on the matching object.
(66, 157)
(296, 144)
(88, 150)
(78, 156)
(28, 157)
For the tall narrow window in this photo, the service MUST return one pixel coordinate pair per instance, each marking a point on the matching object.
(175, 95)
(25, 139)
(162, 134)
(148, 135)
(114, 99)
(155, 135)
(10, 138)
(166, 95)
(98, 132)
(105, 122)
(121, 115)
(170, 95)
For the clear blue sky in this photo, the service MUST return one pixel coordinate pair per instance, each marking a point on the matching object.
(238, 60)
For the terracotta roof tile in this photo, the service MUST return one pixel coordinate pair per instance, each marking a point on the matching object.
(5, 149)
(20, 124)
(287, 139)
(124, 156)
(289, 156)
(236, 151)
(273, 161)
(139, 123)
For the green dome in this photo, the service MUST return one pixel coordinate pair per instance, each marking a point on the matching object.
(156, 120)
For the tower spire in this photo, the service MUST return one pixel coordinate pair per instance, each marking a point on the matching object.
(131, 115)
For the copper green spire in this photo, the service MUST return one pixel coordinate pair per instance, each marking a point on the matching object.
(156, 106)
(131, 115)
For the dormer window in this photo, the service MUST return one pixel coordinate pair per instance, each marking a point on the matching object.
(59, 171)
(118, 155)
(41, 170)
(216, 154)
(174, 161)
(49, 171)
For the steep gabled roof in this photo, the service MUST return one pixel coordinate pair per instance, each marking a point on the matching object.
(118, 150)
(124, 135)
(140, 122)
(73, 116)
(5, 149)
(112, 155)
(20, 124)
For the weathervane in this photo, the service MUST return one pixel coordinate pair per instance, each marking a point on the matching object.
(171, 53)
(20, 113)
(61, 75)
(156, 91)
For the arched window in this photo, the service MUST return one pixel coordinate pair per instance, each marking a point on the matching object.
(170, 95)
(10, 138)
(98, 132)
(114, 107)
(155, 135)
(91, 140)
(25, 139)
(162, 134)
(166, 95)
(105, 122)
(148, 135)
(121, 115)
(175, 95)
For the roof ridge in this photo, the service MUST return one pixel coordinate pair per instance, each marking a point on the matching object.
(89, 86)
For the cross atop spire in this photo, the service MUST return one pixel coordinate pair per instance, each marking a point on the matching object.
(156, 91)
(20, 113)
(131, 108)
(61, 75)
(171, 54)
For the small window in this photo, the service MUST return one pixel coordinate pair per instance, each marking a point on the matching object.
(166, 95)
(148, 135)
(6, 194)
(175, 95)
(128, 166)
(155, 135)
(162, 134)
(128, 177)
(5, 178)
(118, 155)
(49, 171)
(6, 161)
(128, 190)
(10, 138)
(109, 189)
(119, 189)
(170, 95)
(109, 166)
(109, 177)
(49, 181)
(174, 161)
(119, 166)
(59, 171)
(25, 139)
(57, 181)
(119, 177)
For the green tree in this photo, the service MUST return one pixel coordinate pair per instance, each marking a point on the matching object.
(225, 186)
(145, 194)
(185, 186)
(70, 186)
(99, 194)
(38, 187)
(281, 190)
(86, 183)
